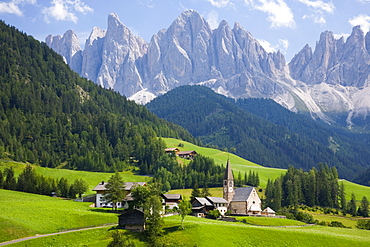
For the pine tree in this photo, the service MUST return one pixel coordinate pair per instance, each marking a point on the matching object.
(364, 207)
(195, 192)
(1, 179)
(342, 198)
(10, 182)
(352, 205)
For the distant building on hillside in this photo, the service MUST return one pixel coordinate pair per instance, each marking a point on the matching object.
(101, 189)
(187, 154)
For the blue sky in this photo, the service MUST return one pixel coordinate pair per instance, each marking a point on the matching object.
(285, 25)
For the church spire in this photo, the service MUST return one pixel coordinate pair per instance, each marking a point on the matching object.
(228, 172)
(228, 183)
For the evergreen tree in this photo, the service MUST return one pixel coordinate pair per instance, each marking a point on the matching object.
(10, 182)
(195, 192)
(1, 179)
(342, 198)
(80, 186)
(115, 190)
(364, 207)
(352, 205)
(27, 180)
(205, 191)
(119, 240)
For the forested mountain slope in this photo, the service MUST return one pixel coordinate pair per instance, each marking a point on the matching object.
(51, 116)
(279, 140)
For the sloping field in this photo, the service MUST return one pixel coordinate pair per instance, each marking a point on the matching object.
(92, 178)
(24, 214)
(237, 163)
(205, 232)
(240, 164)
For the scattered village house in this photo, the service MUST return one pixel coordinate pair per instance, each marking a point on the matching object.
(171, 201)
(101, 189)
(133, 220)
(172, 150)
(202, 205)
(187, 154)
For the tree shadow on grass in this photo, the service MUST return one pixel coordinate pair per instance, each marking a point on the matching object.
(102, 210)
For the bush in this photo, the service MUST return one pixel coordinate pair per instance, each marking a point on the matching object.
(363, 224)
(214, 214)
(304, 217)
(337, 224)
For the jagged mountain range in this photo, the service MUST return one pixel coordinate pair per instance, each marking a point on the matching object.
(330, 82)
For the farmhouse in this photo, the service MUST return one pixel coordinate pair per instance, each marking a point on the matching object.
(187, 154)
(171, 200)
(101, 189)
(202, 205)
(172, 150)
(133, 220)
(243, 200)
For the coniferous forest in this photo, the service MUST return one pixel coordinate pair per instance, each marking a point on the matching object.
(51, 116)
(262, 131)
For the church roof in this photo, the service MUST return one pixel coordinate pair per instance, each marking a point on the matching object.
(242, 194)
(228, 172)
(268, 210)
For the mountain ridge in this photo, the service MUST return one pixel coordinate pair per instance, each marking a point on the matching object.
(330, 82)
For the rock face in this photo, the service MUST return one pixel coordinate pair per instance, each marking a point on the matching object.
(329, 82)
(337, 74)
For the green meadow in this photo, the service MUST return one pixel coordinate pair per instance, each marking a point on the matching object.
(204, 232)
(92, 178)
(265, 173)
(24, 214)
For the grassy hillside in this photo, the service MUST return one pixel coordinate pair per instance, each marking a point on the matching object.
(24, 214)
(92, 178)
(204, 232)
(240, 164)
(237, 163)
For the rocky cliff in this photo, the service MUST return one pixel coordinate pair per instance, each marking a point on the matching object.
(329, 82)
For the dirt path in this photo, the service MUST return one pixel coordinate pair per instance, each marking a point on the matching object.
(51, 234)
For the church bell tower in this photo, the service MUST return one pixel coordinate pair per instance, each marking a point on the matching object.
(228, 184)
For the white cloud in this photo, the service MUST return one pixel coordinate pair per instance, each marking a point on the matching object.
(319, 5)
(65, 10)
(212, 19)
(282, 45)
(344, 35)
(279, 13)
(363, 1)
(361, 20)
(12, 7)
(220, 3)
(315, 18)
(319, 8)
(267, 45)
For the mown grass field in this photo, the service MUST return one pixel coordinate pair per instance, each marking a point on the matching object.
(23, 214)
(92, 178)
(265, 173)
(204, 232)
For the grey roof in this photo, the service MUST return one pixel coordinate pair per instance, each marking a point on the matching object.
(203, 201)
(172, 196)
(216, 199)
(242, 194)
(228, 172)
(128, 185)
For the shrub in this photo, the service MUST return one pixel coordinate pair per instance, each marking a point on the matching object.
(363, 224)
(214, 214)
(337, 224)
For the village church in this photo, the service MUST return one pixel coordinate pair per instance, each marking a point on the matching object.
(242, 200)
